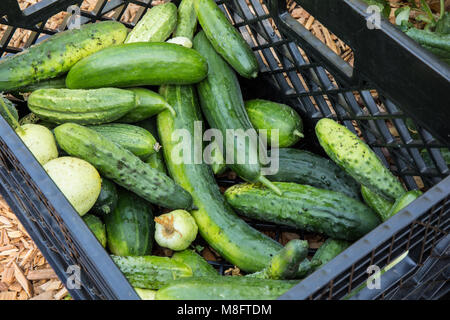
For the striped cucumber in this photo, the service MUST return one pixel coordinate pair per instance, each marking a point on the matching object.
(121, 166)
(229, 235)
(223, 106)
(403, 202)
(225, 39)
(304, 207)
(187, 20)
(198, 265)
(379, 204)
(56, 55)
(356, 157)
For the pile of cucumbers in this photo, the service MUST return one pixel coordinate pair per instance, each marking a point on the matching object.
(107, 136)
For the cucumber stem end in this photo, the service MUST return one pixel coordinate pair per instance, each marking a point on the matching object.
(270, 185)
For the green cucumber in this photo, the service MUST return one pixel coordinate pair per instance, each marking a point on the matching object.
(270, 116)
(187, 20)
(148, 104)
(225, 39)
(218, 165)
(9, 112)
(130, 227)
(304, 167)
(379, 204)
(156, 160)
(138, 64)
(56, 55)
(133, 138)
(329, 250)
(146, 294)
(81, 106)
(107, 200)
(305, 207)
(29, 118)
(199, 266)
(229, 235)
(156, 25)
(223, 106)
(151, 272)
(121, 166)
(403, 202)
(224, 288)
(97, 227)
(357, 159)
(54, 83)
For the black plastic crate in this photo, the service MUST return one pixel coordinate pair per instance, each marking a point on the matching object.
(295, 69)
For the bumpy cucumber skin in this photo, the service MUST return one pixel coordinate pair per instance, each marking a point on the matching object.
(121, 166)
(187, 20)
(56, 55)
(223, 106)
(329, 250)
(156, 160)
(229, 235)
(304, 167)
(403, 202)
(97, 227)
(151, 272)
(138, 64)
(149, 103)
(379, 204)
(224, 288)
(95, 106)
(133, 138)
(130, 227)
(199, 266)
(357, 159)
(107, 200)
(270, 115)
(156, 25)
(225, 39)
(304, 207)
(8, 111)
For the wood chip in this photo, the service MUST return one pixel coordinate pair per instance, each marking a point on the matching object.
(8, 295)
(61, 294)
(26, 285)
(47, 295)
(41, 274)
(8, 275)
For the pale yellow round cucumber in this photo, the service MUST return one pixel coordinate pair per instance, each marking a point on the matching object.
(40, 141)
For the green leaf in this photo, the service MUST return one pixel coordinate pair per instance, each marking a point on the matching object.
(402, 15)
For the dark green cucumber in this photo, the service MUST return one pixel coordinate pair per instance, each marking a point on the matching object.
(155, 160)
(329, 250)
(223, 106)
(107, 200)
(8, 111)
(304, 167)
(270, 116)
(133, 138)
(138, 64)
(305, 207)
(148, 104)
(97, 227)
(187, 20)
(229, 235)
(379, 204)
(56, 55)
(121, 166)
(357, 159)
(224, 288)
(198, 265)
(151, 272)
(81, 106)
(29, 118)
(225, 39)
(130, 227)
(54, 83)
(156, 25)
(217, 161)
(403, 202)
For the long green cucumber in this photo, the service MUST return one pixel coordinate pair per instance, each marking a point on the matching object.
(199, 266)
(225, 39)
(56, 55)
(54, 83)
(403, 202)
(224, 288)
(223, 106)
(356, 157)
(229, 235)
(156, 25)
(138, 64)
(145, 294)
(379, 204)
(305, 207)
(304, 167)
(329, 250)
(151, 272)
(155, 160)
(81, 106)
(121, 166)
(97, 227)
(187, 20)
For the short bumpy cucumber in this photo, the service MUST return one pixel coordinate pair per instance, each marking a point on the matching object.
(199, 266)
(304, 207)
(107, 200)
(304, 167)
(156, 25)
(270, 116)
(223, 106)
(151, 272)
(329, 250)
(133, 138)
(225, 39)
(187, 20)
(403, 202)
(229, 235)
(81, 106)
(356, 157)
(97, 227)
(224, 288)
(121, 166)
(56, 55)
(130, 227)
(138, 64)
(148, 104)
(379, 204)
(155, 160)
